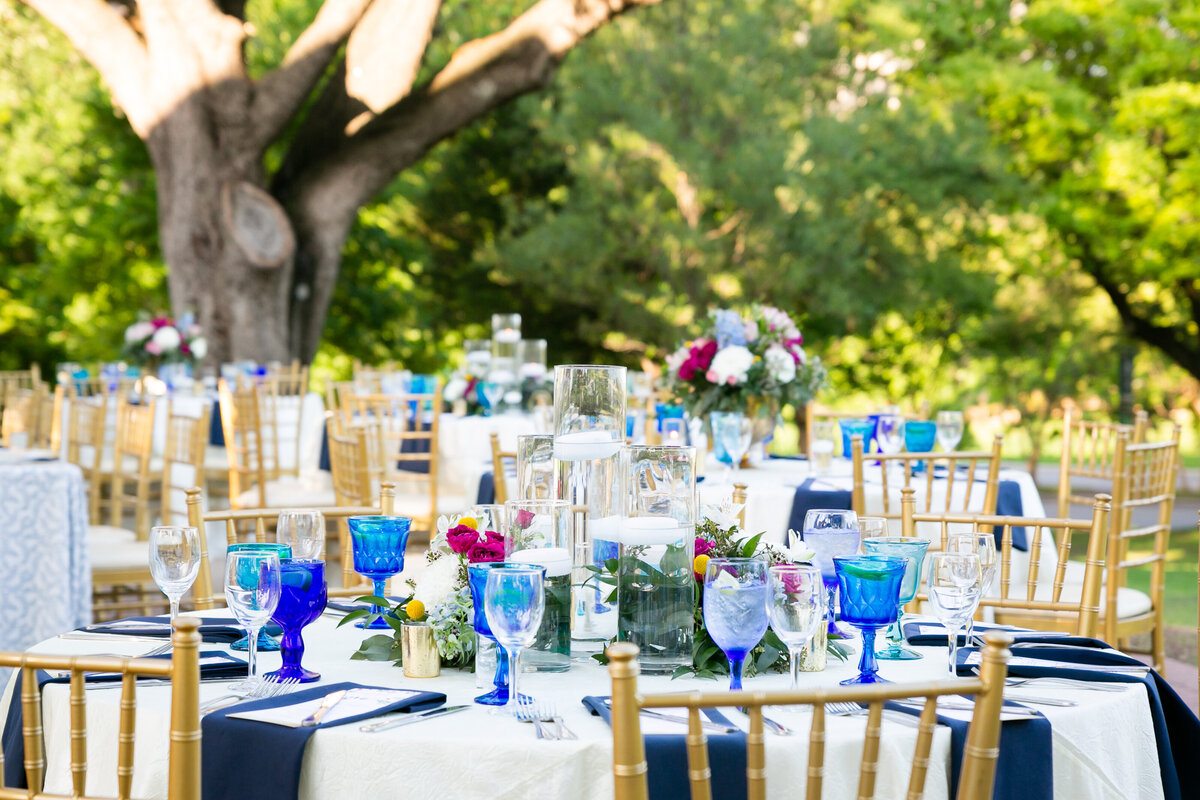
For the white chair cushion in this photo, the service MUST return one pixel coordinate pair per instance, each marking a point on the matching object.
(309, 491)
(103, 535)
(1130, 602)
(119, 555)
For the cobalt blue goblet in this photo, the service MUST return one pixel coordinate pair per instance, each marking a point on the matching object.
(301, 600)
(477, 580)
(378, 543)
(870, 599)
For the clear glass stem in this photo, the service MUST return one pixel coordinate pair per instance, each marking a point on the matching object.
(970, 630)
(831, 602)
(379, 586)
(952, 649)
(174, 606)
(794, 657)
(252, 652)
(735, 671)
(895, 633)
(514, 670)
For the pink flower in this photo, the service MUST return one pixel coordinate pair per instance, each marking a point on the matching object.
(461, 538)
(153, 348)
(704, 546)
(486, 552)
(524, 519)
(731, 380)
(160, 322)
(712, 376)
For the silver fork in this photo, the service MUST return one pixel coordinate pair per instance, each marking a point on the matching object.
(548, 712)
(527, 712)
(776, 727)
(261, 691)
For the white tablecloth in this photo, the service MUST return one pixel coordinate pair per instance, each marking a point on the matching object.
(45, 580)
(1103, 748)
(465, 448)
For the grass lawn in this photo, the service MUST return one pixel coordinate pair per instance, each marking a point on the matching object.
(1181, 578)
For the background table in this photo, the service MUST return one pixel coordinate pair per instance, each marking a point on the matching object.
(45, 580)
(1103, 748)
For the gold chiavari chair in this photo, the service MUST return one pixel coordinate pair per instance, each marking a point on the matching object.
(405, 434)
(504, 464)
(281, 412)
(132, 453)
(252, 524)
(1089, 452)
(352, 484)
(19, 425)
(183, 456)
(979, 757)
(49, 419)
(18, 379)
(1055, 602)
(739, 502)
(961, 484)
(85, 446)
(183, 670)
(1145, 480)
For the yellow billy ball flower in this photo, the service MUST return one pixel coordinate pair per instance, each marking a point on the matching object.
(415, 609)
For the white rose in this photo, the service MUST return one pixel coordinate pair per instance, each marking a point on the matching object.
(167, 338)
(199, 347)
(454, 390)
(437, 581)
(137, 332)
(730, 365)
(780, 364)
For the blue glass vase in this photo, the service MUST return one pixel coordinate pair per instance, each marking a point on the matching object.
(378, 542)
(870, 588)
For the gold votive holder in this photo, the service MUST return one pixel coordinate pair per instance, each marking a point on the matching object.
(418, 651)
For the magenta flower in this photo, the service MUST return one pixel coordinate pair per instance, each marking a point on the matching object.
(524, 519)
(461, 538)
(486, 552)
(704, 546)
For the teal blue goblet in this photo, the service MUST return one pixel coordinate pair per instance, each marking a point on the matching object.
(265, 642)
(870, 587)
(912, 550)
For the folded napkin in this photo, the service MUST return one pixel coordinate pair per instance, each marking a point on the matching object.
(1008, 504)
(214, 630)
(808, 497)
(1025, 766)
(250, 760)
(487, 489)
(216, 433)
(1176, 728)
(933, 634)
(213, 664)
(666, 755)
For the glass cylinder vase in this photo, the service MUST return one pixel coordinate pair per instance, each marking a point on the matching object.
(655, 592)
(535, 466)
(506, 339)
(589, 429)
(539, 533)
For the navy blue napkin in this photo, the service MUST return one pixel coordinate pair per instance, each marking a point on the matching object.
(243, 759)
(487, 490)
(1025, 766)
(666, 757)
(214, 630)
(917, 637)
(221, 665)
(1008, 504)
(1176, 728)
(808, 498)
(216, 433)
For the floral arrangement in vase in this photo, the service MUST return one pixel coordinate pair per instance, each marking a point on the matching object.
(528, 392)
(440, 595)
(162, 340)
(752, 361)
(719, 536)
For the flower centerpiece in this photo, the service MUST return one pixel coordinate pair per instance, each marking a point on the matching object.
(161, 340)
(440, 595)
(750, 362)
(529, 390)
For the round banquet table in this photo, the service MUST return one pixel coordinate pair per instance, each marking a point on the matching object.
(1102, 748)
(45, 581)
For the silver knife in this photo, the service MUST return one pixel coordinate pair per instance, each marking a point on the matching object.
(331, 700)
(707, 725)
(409, 719)
(1038, 701)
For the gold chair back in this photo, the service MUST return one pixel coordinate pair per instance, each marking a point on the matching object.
(961, 484)
(1033, 603)
(504, 463)
(183, 670)
(349, 464)
(49, 419)
(1145, 480)
(281, 413)
(86, 427)
(183, 456)
(19, 424)
(979, 757)
(253, 523)
(1089, 451)
(242, 427)
(129, 492)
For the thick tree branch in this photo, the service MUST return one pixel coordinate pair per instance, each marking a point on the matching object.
(281, 92)
(108, 42)
(385, 51)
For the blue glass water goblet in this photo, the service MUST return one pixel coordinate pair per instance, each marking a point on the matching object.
(266, 644)
(912, 550)
(856, 427)
(870, 599)
(737, 594)
(378, 543)
(301, 600)
(514, 600)
(831, 532)
(477, 581)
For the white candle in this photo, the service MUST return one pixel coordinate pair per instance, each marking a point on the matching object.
(586, 446)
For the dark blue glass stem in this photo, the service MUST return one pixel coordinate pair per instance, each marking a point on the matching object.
(867, 665)
(736, 660)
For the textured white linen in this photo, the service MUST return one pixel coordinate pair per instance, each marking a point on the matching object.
(45, 579)
(1102, 748)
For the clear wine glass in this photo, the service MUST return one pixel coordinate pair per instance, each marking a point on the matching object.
(174, 561)
(514, 600)
(889, 433)
(831, 532)
(950, 429)
(954, 585)
(493, 392)
(797, 609)
(252, 590)
(304, 530)
(984, 546)
(736, 597)
(872, 527)
(731, 439)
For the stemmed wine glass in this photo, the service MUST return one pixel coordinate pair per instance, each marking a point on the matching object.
(477, 582)
(872, 527)
(984, 546)
(731, 439)
(281, 551)
(493, 392)
(252, 593)
(870, 599)
(304, 530)
(174, 561)
(949, 429)
(378, 543)
(889, 433)
(797, 609)
(912, 550)
(831, 532)
(736, 595)
(514, 600)
(303, 594)
(954, 585)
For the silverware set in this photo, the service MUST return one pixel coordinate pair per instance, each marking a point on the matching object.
(261, 691)
(543, 714)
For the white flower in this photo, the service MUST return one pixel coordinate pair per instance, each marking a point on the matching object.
(439, 540)
(730, 365)
(724, 515)
(437, 582)
(455, 388)
(167, 338)
(199, 347)
(798, 551)
(138, 331)
(780, 364)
